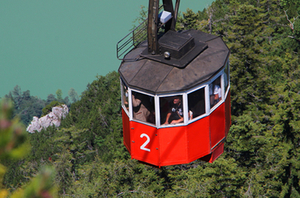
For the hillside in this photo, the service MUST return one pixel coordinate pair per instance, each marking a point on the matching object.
(261, 157)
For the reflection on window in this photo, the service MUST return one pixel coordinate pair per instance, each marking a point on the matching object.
(143, 107)
(215, 92)
(125, 96)
(196, 103)
(171, 110)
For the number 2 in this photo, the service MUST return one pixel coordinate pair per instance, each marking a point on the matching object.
(145, 143)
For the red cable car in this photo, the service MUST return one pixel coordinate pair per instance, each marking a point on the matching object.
(175, 91)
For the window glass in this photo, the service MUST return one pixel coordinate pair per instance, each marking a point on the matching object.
(171, 110)
(196, 103)
(215, 92)
(143, 107)
(124, 96)
(226, 77)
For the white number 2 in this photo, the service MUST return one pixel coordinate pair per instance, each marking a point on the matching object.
(145, 143)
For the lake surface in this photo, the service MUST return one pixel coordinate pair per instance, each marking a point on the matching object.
(63, 44)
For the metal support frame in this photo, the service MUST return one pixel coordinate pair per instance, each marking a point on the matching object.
(153, 22)
(152, 26)
(168, 6)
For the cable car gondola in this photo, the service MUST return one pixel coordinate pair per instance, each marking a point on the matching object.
(175, 91)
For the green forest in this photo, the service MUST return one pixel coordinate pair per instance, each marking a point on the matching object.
(85, 156)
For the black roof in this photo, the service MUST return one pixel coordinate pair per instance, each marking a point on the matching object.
(156, 75)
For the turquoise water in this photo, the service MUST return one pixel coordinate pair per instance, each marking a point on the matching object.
(63, 44)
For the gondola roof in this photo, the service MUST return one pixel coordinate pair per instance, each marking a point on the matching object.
(157, 75)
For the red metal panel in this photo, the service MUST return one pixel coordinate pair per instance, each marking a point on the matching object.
(227, 114)
(181, 144)
(144, 143)
(217, 125)
(126, 130)
(173, 145)
(198, 139)
(218, 150)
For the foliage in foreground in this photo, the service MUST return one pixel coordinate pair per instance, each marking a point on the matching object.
(13, 146)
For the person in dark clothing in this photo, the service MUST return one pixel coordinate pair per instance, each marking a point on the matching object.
(175, 114)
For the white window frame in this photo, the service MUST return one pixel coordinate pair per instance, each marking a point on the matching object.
(131, 109)
(228, 78)
(183, 105)
(220, 74)
(206, 89)
(122, 99)
(184, 95)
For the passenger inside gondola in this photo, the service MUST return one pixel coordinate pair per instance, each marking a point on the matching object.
(125, 96)
(215, 92)
(143, 107)
(175, 111)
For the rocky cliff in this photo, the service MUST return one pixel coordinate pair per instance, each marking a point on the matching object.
(52, 118)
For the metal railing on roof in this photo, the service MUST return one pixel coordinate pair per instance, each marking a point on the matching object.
(131, 40)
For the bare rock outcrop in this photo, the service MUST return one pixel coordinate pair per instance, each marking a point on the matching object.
(52, 118)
